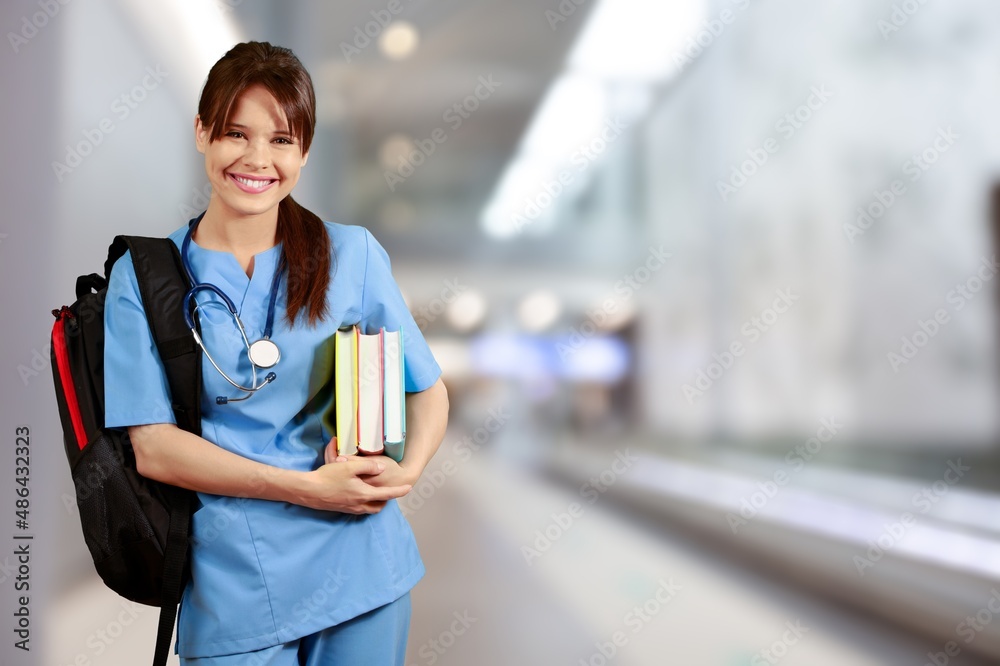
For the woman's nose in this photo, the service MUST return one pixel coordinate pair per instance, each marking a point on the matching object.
(257, 154)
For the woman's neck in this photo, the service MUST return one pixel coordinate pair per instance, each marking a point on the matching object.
(243, 237)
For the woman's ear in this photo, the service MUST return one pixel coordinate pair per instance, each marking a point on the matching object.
(305, 158)
(200, 135)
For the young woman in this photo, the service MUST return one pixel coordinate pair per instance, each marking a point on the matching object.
(298, 556)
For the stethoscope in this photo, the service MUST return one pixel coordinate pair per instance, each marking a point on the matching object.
(263, 353)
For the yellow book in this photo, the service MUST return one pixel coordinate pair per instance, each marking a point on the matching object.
(346, 390)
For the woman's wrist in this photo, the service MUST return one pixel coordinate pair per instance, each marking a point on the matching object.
(284, 485)
(411, 471)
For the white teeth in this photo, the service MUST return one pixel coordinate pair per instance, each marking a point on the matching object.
(257, 184)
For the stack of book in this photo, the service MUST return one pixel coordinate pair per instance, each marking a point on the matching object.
(368, 385)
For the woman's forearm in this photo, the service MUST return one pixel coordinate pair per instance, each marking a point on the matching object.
(166, 453)
(169, 454)
(426, 422)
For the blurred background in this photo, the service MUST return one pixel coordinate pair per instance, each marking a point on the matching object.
(710, 281)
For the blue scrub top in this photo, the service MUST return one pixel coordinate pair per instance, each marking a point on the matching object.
(264, 572)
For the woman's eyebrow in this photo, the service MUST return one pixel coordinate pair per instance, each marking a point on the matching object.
(280, 130)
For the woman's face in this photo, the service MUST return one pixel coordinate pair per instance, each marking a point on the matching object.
(256, 162)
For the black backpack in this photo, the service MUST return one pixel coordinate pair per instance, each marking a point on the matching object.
(137, 529)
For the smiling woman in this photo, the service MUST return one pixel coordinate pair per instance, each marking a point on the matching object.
(280, 515)
(255, 125)
(252, 167)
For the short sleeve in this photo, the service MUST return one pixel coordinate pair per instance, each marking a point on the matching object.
(135, 385)
(382, 304)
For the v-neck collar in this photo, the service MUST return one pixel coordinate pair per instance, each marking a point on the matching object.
(269, 257)
(223, 269)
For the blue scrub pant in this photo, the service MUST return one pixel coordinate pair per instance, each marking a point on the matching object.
(376, 638)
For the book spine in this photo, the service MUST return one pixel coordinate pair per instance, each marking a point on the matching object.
(355, 343)
(381, 385)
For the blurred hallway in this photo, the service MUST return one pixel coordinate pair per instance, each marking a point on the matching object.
(710, 283)
(580, 592)
(482, 603)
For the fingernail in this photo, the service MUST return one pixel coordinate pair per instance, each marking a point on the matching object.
(380, 466)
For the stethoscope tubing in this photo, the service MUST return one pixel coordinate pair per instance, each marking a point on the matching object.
(189, 297)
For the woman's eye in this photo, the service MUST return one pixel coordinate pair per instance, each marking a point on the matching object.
(235, 134)
(284, 140)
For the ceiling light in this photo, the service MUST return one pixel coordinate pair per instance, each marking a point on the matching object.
(539, 310)
(398, 41)
(467, 311)
(394, 149)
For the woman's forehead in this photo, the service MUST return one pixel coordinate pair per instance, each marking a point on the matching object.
(256, 104)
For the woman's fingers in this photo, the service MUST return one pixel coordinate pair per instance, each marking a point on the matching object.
(385, 493)
(368, 466)
(344, 490)
(330, 452)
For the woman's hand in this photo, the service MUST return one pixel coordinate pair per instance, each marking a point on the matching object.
(393, 474)
(345, 485)
(330, 453)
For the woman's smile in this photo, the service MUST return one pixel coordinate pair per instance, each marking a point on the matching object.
(251, 184)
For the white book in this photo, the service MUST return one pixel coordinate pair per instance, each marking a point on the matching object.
(370, 386)
(394, 396)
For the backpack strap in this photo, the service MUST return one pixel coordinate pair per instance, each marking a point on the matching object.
(175, 560)
(162, 285)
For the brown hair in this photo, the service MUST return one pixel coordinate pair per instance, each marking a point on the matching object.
(306, 247)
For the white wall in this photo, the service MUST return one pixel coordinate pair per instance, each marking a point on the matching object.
(785, 227)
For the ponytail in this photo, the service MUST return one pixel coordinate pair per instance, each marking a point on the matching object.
(306, 252)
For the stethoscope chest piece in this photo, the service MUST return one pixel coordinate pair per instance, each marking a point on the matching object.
(264, 353)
